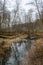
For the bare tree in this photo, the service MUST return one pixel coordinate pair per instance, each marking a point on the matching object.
(16, 13)
(5, 21)
(0, 13)
(4, 3)
(36, 3)
(41, 11)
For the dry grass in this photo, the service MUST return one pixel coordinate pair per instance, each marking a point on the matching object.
(36, 53)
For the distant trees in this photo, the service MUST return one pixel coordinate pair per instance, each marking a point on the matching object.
(0, 13)
(38, 9)
(41, 11)
(4, 3)
(20, 15)
(28, 19)
(4, 15)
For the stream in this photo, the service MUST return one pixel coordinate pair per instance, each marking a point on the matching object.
(19, 53)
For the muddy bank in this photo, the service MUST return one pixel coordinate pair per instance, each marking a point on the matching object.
(4, 52)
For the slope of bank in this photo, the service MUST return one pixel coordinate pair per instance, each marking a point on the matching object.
(36, 53)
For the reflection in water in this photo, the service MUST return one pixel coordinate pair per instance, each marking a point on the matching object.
(19, 53)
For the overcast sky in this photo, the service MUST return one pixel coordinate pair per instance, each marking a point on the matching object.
(11, 3)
